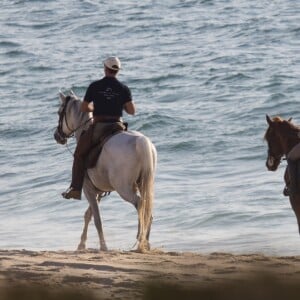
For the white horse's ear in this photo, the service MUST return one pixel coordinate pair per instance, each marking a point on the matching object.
(73, 95)
(270, 122)
(62, 96)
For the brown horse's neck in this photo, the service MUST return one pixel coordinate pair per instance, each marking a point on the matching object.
(290, 143)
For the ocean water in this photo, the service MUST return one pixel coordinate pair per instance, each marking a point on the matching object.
(203, 75)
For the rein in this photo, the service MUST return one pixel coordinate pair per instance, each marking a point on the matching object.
(81, 125)
(62, 116)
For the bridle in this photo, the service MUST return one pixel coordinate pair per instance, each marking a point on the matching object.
(59, 135)
(277, 157)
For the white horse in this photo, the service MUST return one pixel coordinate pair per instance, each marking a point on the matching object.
(126, 165)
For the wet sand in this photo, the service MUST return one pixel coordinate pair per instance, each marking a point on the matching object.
(131, 275)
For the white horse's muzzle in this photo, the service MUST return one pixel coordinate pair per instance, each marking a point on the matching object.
(59, 138)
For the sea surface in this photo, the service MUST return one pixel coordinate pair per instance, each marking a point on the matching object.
(203, 75)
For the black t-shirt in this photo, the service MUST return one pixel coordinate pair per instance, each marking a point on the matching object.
(109, 96)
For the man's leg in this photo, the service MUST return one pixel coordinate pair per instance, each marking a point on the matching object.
(78, 169)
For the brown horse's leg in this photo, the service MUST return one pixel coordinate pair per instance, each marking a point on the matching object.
(287, 182)
(295, 203)
(293, 176)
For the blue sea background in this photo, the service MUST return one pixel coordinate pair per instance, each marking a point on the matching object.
(203, 75)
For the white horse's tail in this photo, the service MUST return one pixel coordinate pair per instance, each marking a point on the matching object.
(147, 155)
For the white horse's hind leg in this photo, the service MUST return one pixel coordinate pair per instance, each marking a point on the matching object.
(144, 244)
(87, 219)
(130, 195)
(91, 195)
(148, 230)
(136, 203)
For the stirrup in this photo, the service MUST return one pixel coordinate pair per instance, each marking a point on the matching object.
(72, 193)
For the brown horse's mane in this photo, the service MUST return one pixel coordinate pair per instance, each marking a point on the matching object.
(277, 119)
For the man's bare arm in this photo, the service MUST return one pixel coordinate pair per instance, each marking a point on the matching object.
(129, 107)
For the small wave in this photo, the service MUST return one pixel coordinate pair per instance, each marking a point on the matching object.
(42, 68)
(152, 121)
(7, 175)
(9, 44)
(43, 25)
(12, 132)
(238, 76)
(8, 72)
(16, 53)
(96, 27)
(192, 3)
(185, 146)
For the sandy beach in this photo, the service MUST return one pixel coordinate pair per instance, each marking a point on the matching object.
(128, 275)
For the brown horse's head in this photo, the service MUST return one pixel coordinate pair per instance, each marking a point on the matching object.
(281, 136)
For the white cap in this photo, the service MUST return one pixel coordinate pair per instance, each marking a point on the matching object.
(113, 63)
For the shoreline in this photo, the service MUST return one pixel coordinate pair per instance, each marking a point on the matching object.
(125, 275)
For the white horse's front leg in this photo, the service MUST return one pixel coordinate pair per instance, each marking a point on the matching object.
(92, 196)
(87, 219)
(98, 224)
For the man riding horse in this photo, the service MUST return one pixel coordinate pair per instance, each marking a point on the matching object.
(106, 98)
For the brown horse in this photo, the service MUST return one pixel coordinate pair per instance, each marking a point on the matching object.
(281, 136)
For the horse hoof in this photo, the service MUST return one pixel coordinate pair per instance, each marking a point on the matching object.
(143, 247)
(81, 247)
(103, 248)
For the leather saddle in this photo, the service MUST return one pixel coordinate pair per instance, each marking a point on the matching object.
(95, 151)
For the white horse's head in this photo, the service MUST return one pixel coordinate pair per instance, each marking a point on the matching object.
(65, 126)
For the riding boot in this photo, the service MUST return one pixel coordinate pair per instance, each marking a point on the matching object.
(293, 170)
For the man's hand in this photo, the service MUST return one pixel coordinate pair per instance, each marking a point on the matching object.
(87, 107)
